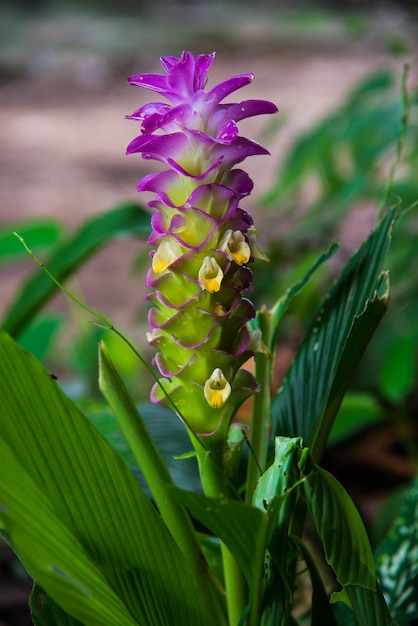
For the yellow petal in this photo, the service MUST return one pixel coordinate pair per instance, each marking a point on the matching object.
(210, 275)
(236, 246)
(219, 309)
(217, 389)
(166, 253)
(223, 244)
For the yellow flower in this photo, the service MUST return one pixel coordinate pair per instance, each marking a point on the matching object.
(217, 389)
(166, 253)
(219, 309)
(210, 275)
(236, 246)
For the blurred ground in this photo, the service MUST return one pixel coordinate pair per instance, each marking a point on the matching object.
(63, 98)
(63, 136)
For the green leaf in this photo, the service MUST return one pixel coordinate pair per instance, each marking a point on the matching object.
(349, 170)
(308, 401)
(309, 150)
(75, 515)
(126, 219)
(41, 234)
(245, 539)
(283, 474)
(397, 560)
(156, 474)
(244, 530)
(100, 415)
(342, 154)
(382, 79)
(276, 495)
(52, 553)
(275, 315)
(211, 548)
(368, 608)
(39, 335)
(281, 554)
(337, 521)
(397, 375)
(357, 411)
(158, 420)
(339, 525)
(322, 611)
(46, 612)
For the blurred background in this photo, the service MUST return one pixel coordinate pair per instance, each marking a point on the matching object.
(63, 98)
(335, 71)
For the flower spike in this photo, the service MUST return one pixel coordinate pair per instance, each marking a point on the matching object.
(202, 239)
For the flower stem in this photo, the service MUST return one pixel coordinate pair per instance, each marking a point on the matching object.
(261, 422)
(215, 485)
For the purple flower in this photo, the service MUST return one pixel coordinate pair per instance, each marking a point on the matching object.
(202, 239)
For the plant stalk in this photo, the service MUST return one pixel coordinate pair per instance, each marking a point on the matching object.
(261, 419)
(215, 485)
(159, 480)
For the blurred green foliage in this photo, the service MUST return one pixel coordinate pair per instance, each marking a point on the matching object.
(26, 318)
(342, 165)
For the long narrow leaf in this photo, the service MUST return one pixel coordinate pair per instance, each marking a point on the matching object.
(75, 514)
(45, 612)
(42, 233)
(347, 548)
(361, 331)
(280, 307)
(310, 396)
(338, 523)
(322, 610)
(126, 219)
(157, 476)
(244, 540)
(51, 552)
(243, 530)
(369, 607)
